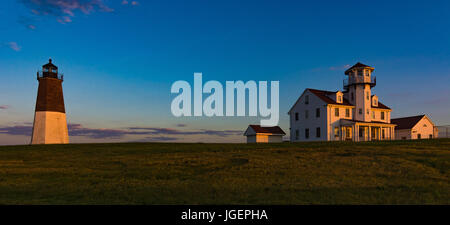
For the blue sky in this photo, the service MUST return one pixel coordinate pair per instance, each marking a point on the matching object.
(121, 57)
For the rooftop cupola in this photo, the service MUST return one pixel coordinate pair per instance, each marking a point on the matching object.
(359, 69)
(359, 74)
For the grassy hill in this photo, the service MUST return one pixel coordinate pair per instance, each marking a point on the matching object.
(397, 172)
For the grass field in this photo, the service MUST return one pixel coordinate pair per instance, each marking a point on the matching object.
(397, 172)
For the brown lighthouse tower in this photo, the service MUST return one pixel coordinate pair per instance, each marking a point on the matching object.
(50, 125)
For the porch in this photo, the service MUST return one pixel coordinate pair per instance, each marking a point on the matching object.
(350, 130)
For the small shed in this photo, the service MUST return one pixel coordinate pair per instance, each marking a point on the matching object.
(258, 134)
(414, 127)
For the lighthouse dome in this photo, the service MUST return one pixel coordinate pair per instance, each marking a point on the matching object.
(50, 65)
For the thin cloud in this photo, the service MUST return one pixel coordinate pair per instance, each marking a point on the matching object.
(125, 2)
(95, 133)
(78, 130)
(4, 107)
(172, 131)
(14, 46)
(65, 10)
(24, 130)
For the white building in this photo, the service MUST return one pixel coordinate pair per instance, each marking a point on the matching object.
(258, 134)
(352, 114)
(414, 127)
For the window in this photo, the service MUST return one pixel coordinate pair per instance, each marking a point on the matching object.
(339, 99)
(382, 115)
(368, 112)
(383, 134)
(306, 133)
(360, 111)
(373, 114)
(297, 134)
(403, 138)
(307, 100)
(336, 112)
(431, 136)
(367, 95)
(360, 72)
(318, 112)
(306, 114)
(336, 131)
(361, 131)
(318, 132)
(367, 72)
(352, 96)
(347, 112)
(419, 136)
(296, 116)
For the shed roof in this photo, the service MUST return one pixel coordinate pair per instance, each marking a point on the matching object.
(267, 130)
(406, 122)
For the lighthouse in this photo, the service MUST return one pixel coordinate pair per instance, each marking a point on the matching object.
(50, 125)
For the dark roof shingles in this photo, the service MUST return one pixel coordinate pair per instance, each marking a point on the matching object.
(271, 130)
(406, 122)
(324, 96)
(357, 65)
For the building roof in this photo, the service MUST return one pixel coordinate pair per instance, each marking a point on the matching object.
(380, 106)
(407, 122)
(358, 65)
(324, 96)
(267, 130)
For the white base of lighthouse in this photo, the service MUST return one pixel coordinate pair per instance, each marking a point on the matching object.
(50, 128)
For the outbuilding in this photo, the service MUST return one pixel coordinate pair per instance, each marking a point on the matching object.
(414, 127)
(258, 134)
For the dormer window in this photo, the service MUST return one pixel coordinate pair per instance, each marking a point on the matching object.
(375, 101)
(307, 100)
(339, 96)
